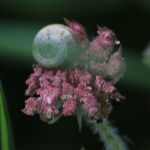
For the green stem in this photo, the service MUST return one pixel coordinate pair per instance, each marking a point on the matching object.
(109, 136)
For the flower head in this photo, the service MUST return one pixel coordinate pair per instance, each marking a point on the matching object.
(65, 90)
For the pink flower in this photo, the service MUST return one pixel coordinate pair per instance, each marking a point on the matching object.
(59, 78)
(49, 94)
(47, 78)
(99, 68)
(106, 38)
(91, 105)
(100, 48)
(33, 81)
(92, 110)
(77, 76)
(104, 85)
(82, 90)
(117, 65)
(69, 107)
(85, 77)
(38, 71)
(79, 30)
(68, 91)
(31, 106)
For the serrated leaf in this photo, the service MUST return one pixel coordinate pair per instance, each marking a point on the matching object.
(6, 140)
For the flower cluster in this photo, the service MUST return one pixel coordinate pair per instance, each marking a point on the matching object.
(63, 92)
(59, 92)
(56, 92)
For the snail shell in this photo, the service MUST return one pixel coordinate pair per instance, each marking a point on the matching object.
(52, 44)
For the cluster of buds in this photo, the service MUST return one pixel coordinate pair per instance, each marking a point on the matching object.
(56, 92)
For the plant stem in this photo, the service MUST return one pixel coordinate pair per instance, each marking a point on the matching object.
(109, 136)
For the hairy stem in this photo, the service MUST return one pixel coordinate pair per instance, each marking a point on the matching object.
(109, 136)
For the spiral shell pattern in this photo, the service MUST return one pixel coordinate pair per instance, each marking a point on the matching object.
(52, 44)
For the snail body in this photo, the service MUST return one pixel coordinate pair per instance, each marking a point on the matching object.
(52, 44)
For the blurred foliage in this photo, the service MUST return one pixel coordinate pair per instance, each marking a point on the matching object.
(6, 138)
(45, 9)
(19, 23)
(146, 56)
(82, 148)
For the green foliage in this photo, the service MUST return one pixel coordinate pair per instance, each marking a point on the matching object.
(6, 140)
(146, 56)
(82, 148)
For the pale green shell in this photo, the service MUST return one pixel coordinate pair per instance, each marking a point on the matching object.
(52, 44)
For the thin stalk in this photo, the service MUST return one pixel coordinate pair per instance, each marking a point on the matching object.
(109, 136)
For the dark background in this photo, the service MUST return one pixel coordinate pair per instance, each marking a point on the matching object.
(19, 23)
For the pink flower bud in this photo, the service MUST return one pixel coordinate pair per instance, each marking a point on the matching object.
(78, 29)
(106, 37)
(101, 47)
(49, 94)
(91, 105)
(69, 107)
(38, 71)
(117, 65)
(33, 80)
(99, 68)
(46, 79)
(104, 85)
(31, 106)
(67, 90)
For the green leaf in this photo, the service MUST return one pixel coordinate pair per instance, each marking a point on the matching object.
(6, 140)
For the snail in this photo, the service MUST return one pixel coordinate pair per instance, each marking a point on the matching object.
(52, 44)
